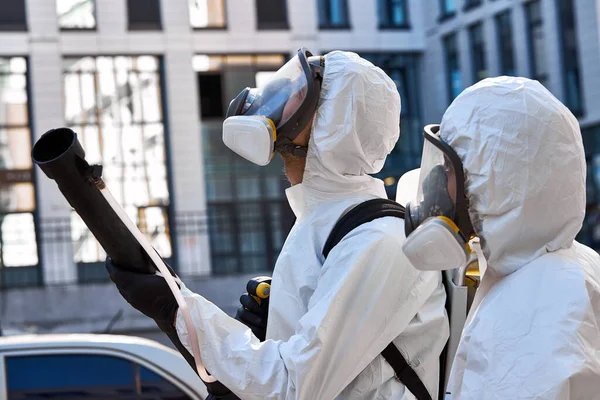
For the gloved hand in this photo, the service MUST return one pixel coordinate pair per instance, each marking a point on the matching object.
(254, 315)
(148, 293)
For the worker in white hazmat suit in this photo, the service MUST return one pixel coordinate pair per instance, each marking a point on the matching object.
(329, 319)
(507, 165)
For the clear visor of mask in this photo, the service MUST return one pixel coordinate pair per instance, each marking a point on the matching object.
(281, 97)
(436, 192)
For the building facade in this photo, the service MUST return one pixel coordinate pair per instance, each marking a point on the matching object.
(146, 85)
(553, 41)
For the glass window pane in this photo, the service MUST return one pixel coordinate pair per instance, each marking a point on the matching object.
(144, 14)
(477, 52)
(453, 73)
(88, 97)
(271, 14)
(539, 51)
(146, 63)
(16, 197)
(153, 223)
(76, 14)
(73, 107)
(91, 140)
(70, 376)
(15, 148)
(207, 13)
(338, 12)
(135, 98)
(86, 248)
(13, 16)
(570, 55)
(251, 228)
(13, 99)
(448, 7)
(158, 386)
(18, 246)
(506, 45)
(150, 93)
(536, 41)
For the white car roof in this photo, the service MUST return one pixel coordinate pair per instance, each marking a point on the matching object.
(161, 356)
(75, 339)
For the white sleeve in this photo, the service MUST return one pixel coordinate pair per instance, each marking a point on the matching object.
(366, 296)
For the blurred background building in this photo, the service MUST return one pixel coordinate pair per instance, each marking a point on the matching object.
(146, 83)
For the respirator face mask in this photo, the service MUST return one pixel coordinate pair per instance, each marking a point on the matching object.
(437, 223)
(262, 121)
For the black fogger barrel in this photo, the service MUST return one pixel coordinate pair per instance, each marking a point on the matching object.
(61, 157)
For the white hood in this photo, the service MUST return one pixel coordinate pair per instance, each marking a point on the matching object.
(349, 140)
(524, 165)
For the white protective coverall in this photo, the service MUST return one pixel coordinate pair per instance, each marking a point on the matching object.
(330, 320)
(534, 328)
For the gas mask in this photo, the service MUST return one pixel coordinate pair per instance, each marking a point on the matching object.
(262, 121)
(437, 223)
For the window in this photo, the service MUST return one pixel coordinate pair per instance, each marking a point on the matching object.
(404, 69)
(333, 14)
(144, 14)
(447, 8)
(271, 14)
(76, 14)
(207, 14)
(570, 56)
(13, 16)
(18, 247)
(590, 231)
(505, 43)
(84, 376)
(115, 106)
(468, 4)
(536, 41)
(210, 90)
(476, 41)
(393, 14)
(248, 216)
(453, 74)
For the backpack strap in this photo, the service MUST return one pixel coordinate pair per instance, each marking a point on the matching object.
(361, 214)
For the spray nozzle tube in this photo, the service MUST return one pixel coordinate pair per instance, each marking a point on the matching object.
(62, 158)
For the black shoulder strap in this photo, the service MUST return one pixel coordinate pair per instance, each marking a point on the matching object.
(405, 373)
(361, 214)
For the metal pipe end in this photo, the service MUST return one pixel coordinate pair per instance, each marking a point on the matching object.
(52, 145)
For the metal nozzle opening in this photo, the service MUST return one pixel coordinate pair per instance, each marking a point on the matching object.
(52, 145)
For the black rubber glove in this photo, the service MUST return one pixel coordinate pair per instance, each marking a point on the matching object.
(254, 315)
(150, 294)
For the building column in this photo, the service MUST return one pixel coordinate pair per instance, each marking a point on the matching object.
(588, 42)
(521, 41)
(46, 100)
(184, 143)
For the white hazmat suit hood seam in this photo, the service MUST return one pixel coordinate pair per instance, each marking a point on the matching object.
(516, 143)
